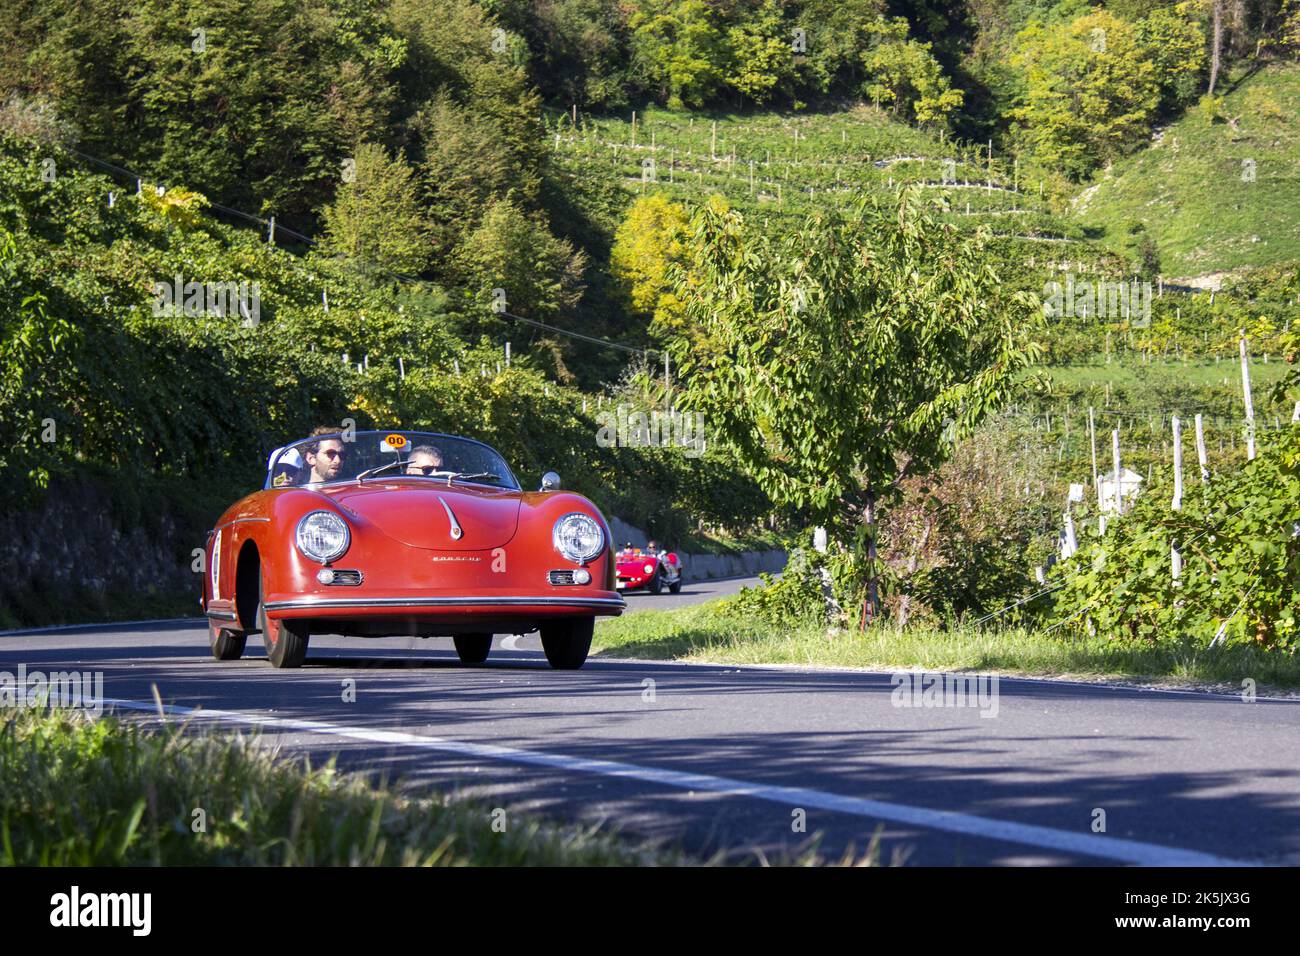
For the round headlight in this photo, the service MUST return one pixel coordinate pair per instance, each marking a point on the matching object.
(578, 537)
(323, 536)
(649, 569)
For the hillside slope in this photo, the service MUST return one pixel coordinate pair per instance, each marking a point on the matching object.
(1192, 188)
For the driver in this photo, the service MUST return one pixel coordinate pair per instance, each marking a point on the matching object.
(424, 460)
(324, 456)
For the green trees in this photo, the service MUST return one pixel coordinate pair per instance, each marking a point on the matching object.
(848, 356)
(376, 220)
(678, 50)
(904, 76)
(648, 241)
(538, 274)
(1092, 86)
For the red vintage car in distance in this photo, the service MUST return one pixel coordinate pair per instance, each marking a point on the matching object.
(650, 568)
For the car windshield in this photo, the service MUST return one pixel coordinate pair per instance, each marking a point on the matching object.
(378, 455)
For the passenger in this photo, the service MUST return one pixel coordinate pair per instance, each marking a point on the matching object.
(324, 455)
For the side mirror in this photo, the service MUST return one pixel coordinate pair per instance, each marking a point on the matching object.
(550, 481)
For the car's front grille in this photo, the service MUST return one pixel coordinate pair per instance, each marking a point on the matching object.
(560, 577)
(346, 577)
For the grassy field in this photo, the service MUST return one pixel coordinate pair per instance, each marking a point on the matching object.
(1189, 189)
(707, 633)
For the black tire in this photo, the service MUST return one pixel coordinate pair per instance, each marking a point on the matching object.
(472, 648)
(675, 587)
(657, 583)
(227, 643)
(285, 641)
(567, 642)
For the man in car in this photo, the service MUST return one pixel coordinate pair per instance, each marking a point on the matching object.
(424, 460)
(324, 455)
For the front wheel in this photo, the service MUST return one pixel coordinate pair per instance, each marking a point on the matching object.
(567, 642)
(472, 648)
(285, 641)
(657, 583)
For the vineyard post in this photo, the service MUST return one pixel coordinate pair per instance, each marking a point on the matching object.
(1200, 450)
(1176, 559)
(713, 142)
(1250, 405)
(1295, 416)
(1119, 500)
(1092, 438)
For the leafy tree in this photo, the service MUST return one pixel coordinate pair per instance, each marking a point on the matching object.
(904, 75)
(513, 251)
(1176, 43)
(376, 220)
(1091, 91)
(843, 358)
(648, 241)
(762, 57)
(678, 49)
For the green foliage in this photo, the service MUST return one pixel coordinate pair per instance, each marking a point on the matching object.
(513, 251)
(848, 354)
(647, 242)
(904, 75)
(1240, 561)
(376, 221)
(1091, 91)
(678, 49)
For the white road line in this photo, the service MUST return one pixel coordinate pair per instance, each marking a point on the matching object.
(1067, 841)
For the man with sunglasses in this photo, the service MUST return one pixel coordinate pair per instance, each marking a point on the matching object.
(424, 460)
(324, 456)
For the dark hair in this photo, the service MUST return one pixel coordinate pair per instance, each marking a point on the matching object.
(318, 434)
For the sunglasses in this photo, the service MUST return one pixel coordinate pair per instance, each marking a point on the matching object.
(425, 470)
(331, 452)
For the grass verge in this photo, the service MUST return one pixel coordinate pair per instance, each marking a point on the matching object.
(82, 792)
(711, 633)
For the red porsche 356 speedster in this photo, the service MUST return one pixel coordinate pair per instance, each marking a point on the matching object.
(389, 533)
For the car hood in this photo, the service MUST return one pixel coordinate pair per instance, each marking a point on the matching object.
(416, 513)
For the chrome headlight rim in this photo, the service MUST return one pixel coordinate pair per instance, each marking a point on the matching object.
(324, 557)
(559, 541)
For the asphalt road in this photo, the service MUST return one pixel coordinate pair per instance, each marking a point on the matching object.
(733, 758)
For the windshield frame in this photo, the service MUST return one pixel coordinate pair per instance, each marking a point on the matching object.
(509, 482)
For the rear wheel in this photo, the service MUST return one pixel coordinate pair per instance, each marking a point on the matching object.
(472, 648)
(285, 641)
(567, 642)
(227, 643)
(676, 586)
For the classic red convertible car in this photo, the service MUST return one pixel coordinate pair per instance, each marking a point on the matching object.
(651, 569)
(389, 533)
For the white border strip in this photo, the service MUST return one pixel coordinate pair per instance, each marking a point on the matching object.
(1048, 838)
